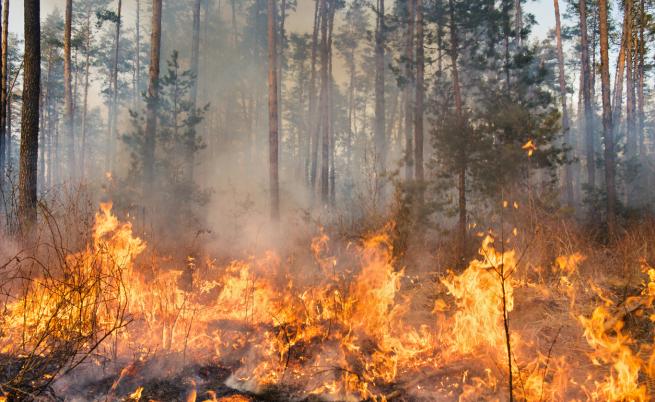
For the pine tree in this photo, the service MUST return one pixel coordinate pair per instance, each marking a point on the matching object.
(29, 144)
(273, 111)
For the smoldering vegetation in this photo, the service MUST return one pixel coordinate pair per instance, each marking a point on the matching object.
(449, 207)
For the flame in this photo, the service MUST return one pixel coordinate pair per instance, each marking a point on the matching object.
(622, 383)
(530, 147)
(136, 395)
(341, 330)
(478, 295)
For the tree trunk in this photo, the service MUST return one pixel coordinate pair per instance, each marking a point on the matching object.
(409, 72)
(153, 99)
(195, 62)
(324, 119)
(352, 74)
(617, 99)
(137, 73)
(85, 106)
(608, 136)
(631, 144)
(44, 137)
(113, 117)
(418, 118)
(29, 143)
(380, 136)
(640, 85)
(315, 127)
(281, 43)
(568, 173)
(273, 112)
(5, 112)
(586, 95)
(330, 105)
(68, 92)
(463, 165)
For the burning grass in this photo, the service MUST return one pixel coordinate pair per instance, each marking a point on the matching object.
(116, 321)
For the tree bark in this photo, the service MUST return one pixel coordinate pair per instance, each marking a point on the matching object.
(608, 135)
(137, 73)
(462, 158)
(568, 173)
(68, 91)
(273, 112)
(113, 117)
(29, 144)
(586, 95)
(617, 98)
(281, 46)
(153, 98)
(330, 105)
(409, 84)
(315, 127)
(195, 62)
(640, 85)
(324, 119)
(85, 106)
(631, 144)
(418, 117)
(380, 131)
(5, 112)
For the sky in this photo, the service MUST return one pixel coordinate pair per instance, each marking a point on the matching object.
(542, 9)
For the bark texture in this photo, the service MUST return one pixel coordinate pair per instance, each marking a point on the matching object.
(153, 97)
(273, 112)
(29, 143)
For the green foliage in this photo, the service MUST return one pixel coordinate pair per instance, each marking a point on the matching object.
(499, 115)
(176, 194)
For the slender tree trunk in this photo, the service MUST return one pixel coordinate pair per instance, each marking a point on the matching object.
(113, 117)
(631, 144)
(153, 99)
(640, 85)
(586, 94)
(44, 179)
(273, 112)
(195, 62)
(315, 130)
(330, 105)
(10, 98)
(137, 73)
(324, 119)
(29, 143)
(352, 74)
(3, 114)
(281, 46)
(418, 118)
(594, 54)
(608, 136)
(568, 173)
(463, 164)
(380, 135)
(617, 99)
(5, 109)
(85, 107)
(68, 92)
(409, 86)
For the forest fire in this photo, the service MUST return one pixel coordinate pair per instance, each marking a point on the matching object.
(343, 331)
(327, 200)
